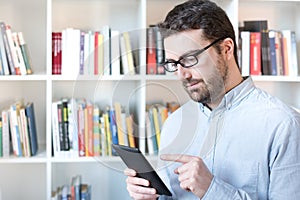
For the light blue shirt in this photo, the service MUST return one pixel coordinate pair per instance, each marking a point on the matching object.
(255, 151)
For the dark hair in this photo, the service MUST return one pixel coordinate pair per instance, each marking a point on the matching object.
(199, 14)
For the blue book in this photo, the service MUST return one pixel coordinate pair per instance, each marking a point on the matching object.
(29, 111)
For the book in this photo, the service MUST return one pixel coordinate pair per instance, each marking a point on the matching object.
(255, 53)
(75, 187)
(55, 129)
(81, 127)
(13, 51)
(19, 55)
(96, 130)
(106, 31)
(119, 123)
(289, 50)
(4, 60)
(265, 53)
(7, 49)
(15, 131)
(129, 54)
(30, 113)
(160, 52)
(108, 135)
(255, 25)
(25, 53)
(130, 131)
(1, 143)
(25, 133)
(151, 133)
(151, 51)
(278, 51)
(6, 146)
(124, 59)
(273, 60)
(115, 53)
(99, 53)
(245, 63)
(88, 129)
(73, 131)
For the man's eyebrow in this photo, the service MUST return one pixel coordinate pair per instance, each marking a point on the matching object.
(191, 52)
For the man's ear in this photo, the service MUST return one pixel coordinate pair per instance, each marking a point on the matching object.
(228, 48)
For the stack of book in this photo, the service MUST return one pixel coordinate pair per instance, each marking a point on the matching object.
(75, 191)
(155, 51)
(267, 52)
(86, 52)
(156, 115)
(81, 129)
(18, 123)
(14, 54)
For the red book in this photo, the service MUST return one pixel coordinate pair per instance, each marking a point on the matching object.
(151, 51)
(96, 49)
(255, 53)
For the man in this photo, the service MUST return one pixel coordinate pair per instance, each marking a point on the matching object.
(233, 141)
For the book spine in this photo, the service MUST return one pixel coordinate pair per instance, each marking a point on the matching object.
(13, 50)
(255, 53)
(273, 63)
(81, 127)
(96, 131)
(265, 53)
(1, 136)
(3, 52)
(151, 51)
(7, 49)
(5, 133)
(55, 130)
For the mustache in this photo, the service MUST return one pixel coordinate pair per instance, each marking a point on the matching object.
(189, 82)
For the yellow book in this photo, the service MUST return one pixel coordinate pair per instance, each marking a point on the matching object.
(129, 53)
(156, 125)
(130, 131)
(120, 128)
(108, 133)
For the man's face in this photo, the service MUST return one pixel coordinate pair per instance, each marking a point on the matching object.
(204, 82)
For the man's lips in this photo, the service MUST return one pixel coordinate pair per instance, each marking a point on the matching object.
(189, 84)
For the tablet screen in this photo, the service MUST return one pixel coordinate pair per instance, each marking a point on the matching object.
(135, 160)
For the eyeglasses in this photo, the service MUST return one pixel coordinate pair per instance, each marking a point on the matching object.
(188, 60)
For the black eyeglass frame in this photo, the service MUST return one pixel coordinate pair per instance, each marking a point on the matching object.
(197, 53)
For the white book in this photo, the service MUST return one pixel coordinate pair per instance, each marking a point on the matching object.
(86, 50)
(15, 131)
(123, 52)
(19, 54)
(115, 53)
(70, 52)
(245, 35)
(55, 129)
(106, 31)
(5, 133)
(73, 131)
(291, 62)
(149, 135)
(12, 49)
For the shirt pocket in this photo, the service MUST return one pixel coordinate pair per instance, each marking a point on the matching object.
(243, 175)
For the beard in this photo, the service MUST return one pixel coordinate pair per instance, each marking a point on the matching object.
(210, 90)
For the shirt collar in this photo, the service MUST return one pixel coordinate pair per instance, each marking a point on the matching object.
(233, 97)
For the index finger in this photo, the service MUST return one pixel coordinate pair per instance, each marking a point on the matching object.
(176, 158)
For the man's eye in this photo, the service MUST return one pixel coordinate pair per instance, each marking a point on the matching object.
(189, 60)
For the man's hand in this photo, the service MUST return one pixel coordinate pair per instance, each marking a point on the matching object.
(138, 187)
(193, 173)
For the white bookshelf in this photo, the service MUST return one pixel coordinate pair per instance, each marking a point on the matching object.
(36, 177)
